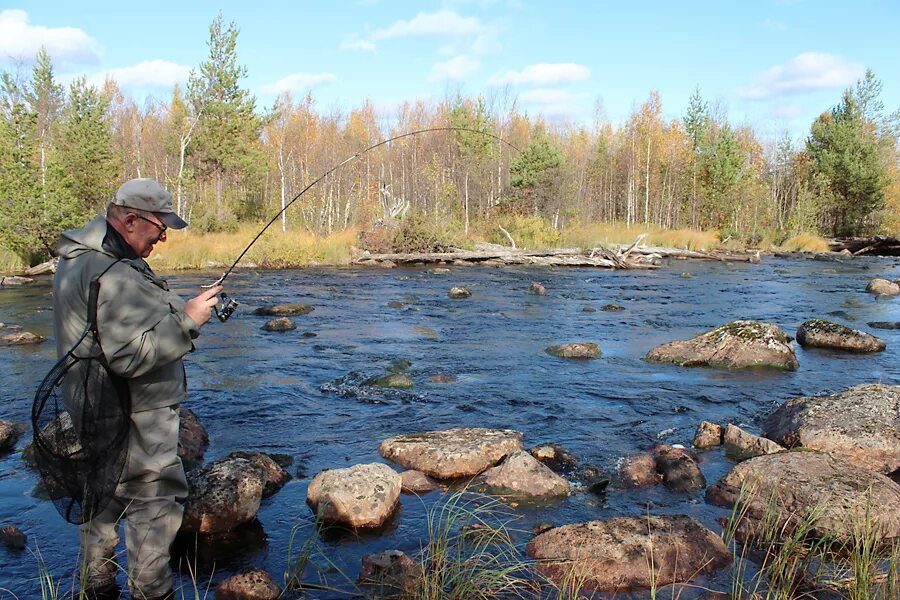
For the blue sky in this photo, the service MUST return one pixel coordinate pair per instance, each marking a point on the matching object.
(772, 64)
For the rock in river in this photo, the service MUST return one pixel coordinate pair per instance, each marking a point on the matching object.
(812, 485)
(537, 288)
(9, 435)
(417, 482)
(391, 571)
(274, 475)
(708, 435)
(458, 293)
(522, 475)
(359, 496)
(20, 338)
(396, 381)
(735, 345)
(613, 555)
(577, 350)
(883, 287)
(193, 440)
(280, 324)
(860, 425)
(283, 310)
(452, 453)
(819, 333)
(223, 495)
(742, 445)
(251, 585)
(679, 467)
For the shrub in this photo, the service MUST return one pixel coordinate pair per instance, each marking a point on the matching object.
(527, 231)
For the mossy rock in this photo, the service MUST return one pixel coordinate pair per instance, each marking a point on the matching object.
(612, 307)
(583, 350)
(395, 381)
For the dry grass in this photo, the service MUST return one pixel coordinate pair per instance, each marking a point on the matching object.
(275, 248)
(604, 234)
(805, 242)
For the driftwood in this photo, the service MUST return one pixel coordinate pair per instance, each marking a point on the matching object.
(878, 245)
(679, 253)
(44, 268)
(569, 257)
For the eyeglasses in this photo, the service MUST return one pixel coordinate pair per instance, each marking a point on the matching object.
(161, 227)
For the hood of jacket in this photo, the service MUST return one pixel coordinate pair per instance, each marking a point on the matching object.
(75, 242)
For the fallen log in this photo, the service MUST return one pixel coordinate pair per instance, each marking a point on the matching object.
(570, 257)
(680, 253)
(44, 268)
(878, 245)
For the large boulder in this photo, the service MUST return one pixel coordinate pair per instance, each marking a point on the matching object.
(812, 485)
(819, 333)
(616, 555)
(283, 310)
(223, 495)
(736, 345)
(359, 496)
(883, 287)
(741, 445)
(576, 350)
(274, 476)
(522, 475)
(860, 425)
(452, 453)
(193, 439)
(251, 585)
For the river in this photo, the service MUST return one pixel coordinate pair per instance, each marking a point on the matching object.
(256, 390)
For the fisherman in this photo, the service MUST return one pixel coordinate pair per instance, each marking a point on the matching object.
(144, 330)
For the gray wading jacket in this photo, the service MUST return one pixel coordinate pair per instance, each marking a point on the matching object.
(143, 329)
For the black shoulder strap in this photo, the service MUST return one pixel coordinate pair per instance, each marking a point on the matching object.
(93, 295)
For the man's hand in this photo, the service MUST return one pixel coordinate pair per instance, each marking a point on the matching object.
(199, 307)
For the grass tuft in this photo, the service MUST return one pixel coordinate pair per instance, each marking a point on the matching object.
(805, 242)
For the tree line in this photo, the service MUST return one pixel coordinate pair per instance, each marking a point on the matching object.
(64, 150)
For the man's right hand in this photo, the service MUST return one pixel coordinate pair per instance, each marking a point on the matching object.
(200, 307)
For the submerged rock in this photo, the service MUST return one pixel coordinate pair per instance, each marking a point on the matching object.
(819, 333)
(458, 293)
(283, 310)
(612, 307)
(537, 288)
(193, 439)
(452, 453)
(522, 475)
(589, 309)
(395, 380)
(223, 495)
(251, 585)
(576, 350)
(555, 456)
(883, 287)
(359, 496)
(399, 366)
(860, 425)
(613, 555)
(884, 324)
(809, 485)
(739, 344)
(280, 324)
(391, 572)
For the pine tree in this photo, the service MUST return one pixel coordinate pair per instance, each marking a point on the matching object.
(227, 145)
(696, 125)
(535, 175)
(45, 98)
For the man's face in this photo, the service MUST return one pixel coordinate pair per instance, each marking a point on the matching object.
(145, 230)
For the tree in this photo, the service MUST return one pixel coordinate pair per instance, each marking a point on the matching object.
(227, 144)
(474, 148)
(45, 99)
(848, 164)
(696, 125)
(724, 172)
(535, 174)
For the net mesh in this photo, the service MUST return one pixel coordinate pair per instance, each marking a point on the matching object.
(80, 420)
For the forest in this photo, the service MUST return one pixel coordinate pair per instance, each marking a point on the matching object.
(227, 161)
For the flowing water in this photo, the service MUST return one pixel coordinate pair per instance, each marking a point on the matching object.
(293, 394)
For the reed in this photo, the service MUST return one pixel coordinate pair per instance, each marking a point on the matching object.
(805, 242)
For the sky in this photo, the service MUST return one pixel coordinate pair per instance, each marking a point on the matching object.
(771, 64)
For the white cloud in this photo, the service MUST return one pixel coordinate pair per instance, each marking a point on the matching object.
(544, 74)
(773, 25)
(553, 102)
(299, 83)
(455, 69)
(805, 72)
(149, 73)
(360, 45)
(444, 23)
(19, 40)
(785, 111)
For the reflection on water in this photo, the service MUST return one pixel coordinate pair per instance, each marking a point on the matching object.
(303, 396)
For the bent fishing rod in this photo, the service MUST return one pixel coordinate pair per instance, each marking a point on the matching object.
(228, 305)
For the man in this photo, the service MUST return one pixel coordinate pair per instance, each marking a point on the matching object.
(144, 330)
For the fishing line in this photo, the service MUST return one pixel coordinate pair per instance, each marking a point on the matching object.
(228, 305)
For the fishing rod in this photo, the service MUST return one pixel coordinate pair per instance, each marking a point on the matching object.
(228, 305)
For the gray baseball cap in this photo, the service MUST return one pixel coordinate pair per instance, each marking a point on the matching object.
(149, 195)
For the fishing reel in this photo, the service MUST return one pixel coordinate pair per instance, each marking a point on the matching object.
(226, 307)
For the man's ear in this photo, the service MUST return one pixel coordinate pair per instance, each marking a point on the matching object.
(128, 221)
